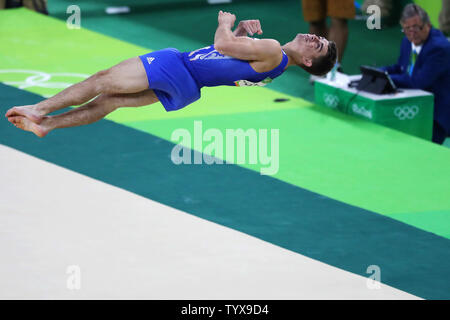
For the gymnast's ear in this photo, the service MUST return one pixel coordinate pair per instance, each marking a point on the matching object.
(306, 61)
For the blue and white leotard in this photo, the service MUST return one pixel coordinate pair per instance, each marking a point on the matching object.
(177, 77)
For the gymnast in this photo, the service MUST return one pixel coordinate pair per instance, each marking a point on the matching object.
(175, 78)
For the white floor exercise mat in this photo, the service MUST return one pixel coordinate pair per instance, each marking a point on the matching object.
(67, 236)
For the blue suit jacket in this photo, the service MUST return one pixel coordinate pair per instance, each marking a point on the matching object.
(431, 73)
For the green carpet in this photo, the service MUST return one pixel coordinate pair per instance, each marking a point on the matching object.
(348, 192)
(285, 215)
(338, 156)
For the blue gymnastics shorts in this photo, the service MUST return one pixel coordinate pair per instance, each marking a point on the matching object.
(169, 78)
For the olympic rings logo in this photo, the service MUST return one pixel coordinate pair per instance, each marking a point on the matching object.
(330, 100)
(42, 79)
(406, 112)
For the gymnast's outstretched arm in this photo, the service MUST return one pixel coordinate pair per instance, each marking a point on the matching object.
(243, 48)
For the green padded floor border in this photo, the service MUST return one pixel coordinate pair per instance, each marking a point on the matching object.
(344, 158)
(287, 216)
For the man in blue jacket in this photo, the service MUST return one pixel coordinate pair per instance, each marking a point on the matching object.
(424, 63)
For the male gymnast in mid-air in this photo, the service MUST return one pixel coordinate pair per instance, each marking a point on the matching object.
(175, 78)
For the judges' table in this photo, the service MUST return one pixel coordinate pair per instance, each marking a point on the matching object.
(409, 110)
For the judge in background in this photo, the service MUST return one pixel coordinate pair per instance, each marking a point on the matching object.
(424, 63)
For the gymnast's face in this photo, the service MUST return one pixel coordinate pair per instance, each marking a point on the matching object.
(310, 46)
(415, 30)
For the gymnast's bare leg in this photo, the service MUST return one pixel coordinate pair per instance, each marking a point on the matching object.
(88, 113)
(126, 77)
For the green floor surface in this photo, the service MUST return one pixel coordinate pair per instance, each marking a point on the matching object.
(285, 215)
(388, 172)
(338, 156)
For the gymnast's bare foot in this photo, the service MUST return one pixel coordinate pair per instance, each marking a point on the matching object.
(29, 112)
(28, 125)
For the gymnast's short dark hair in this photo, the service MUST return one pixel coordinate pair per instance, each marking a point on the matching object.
(323, 64)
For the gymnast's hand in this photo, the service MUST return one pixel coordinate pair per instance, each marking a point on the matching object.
(226, 18)
(249, 26)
